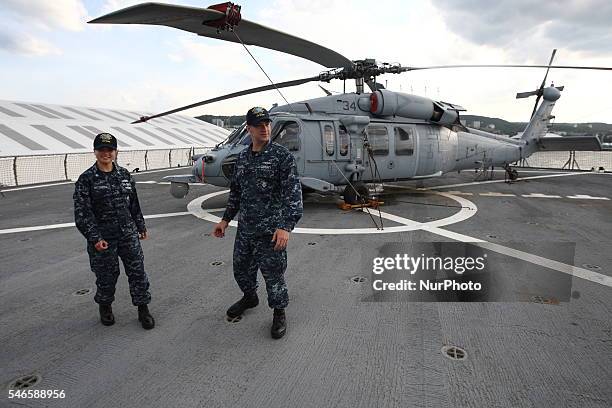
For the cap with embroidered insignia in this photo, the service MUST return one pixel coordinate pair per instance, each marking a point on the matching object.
(257, 115)
(105, 140)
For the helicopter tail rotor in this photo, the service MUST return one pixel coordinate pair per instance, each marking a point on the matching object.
(540, 91)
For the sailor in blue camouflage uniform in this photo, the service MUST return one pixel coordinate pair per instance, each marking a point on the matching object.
(266, 193)
(107, 213)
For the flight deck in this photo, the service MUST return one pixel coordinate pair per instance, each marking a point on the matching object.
(341, 349)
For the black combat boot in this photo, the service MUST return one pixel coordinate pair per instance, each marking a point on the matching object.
(248, 301)
(106, 315)
(146, 320)
(279, 325)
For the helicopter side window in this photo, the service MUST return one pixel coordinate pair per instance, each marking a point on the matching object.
(343, 139)
(379, 139)
(404, 141)
(328, 139)
(289, 136)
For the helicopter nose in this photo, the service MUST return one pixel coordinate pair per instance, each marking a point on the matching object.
(198, 170)
(227, 166)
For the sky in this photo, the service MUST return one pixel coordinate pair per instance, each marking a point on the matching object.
(49, 54)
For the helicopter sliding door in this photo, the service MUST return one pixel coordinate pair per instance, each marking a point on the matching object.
(394, 148)
(429, 150)
(380, 165)
(405, 148)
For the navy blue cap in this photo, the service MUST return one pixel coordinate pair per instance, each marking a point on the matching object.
(257, 115)
(105, 140)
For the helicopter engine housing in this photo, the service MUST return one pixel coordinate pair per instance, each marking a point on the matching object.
(388, 103)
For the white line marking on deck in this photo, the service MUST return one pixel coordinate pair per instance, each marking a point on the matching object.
(71, 224)
(494, 194)
(502, 181)
(32, 187)
(460, 193)
(468, 210)
(539, 195)
(587, 197)
(525, 256)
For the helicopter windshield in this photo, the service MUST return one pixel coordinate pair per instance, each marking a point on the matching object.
(287, 134)
(245, 139)
(284, 133)
(237, 134)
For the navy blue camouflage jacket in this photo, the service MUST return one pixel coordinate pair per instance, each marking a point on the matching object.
(265, 188)
(106, 204)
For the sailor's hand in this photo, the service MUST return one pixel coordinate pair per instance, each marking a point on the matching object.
(101, 245)
(219, 230)
(281, 237)
(143, 235)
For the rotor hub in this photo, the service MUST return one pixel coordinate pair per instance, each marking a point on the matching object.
(230, 19)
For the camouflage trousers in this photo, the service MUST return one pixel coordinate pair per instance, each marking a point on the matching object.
(253, 252)
(105, 264)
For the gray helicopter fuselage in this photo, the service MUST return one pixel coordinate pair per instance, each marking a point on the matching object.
(326, 137)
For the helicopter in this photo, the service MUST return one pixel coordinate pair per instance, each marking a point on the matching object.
(342, 143)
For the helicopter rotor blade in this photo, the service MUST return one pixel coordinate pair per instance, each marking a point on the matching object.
(230, 96)
(548, 69)
(541, 89)
(405, 69)
(535, 106)
(328, 93)
(197, 20)
(534, 93)
(526, 94)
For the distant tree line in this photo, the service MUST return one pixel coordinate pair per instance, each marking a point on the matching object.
(512, 128)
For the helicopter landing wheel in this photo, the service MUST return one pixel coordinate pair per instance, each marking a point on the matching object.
(356, 193)
(511, 174)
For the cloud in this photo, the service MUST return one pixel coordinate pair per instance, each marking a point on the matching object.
(22, 20)
(68, 15)
(27, 45)
(576, 25)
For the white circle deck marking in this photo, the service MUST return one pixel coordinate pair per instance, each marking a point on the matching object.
(468, 209)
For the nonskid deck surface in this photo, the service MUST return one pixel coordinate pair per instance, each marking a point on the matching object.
(340, 350)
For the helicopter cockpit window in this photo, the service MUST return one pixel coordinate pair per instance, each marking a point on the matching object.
(343, 139)
(289, 136)
(404, 141)
(379, 139)
(242, 137)
(328, 139)
(246, 139)
(237, 134)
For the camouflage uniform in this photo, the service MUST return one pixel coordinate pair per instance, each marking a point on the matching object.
(266, 190)
(106, 207)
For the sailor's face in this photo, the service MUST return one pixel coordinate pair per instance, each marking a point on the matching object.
(105, 155)
(260, 133)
